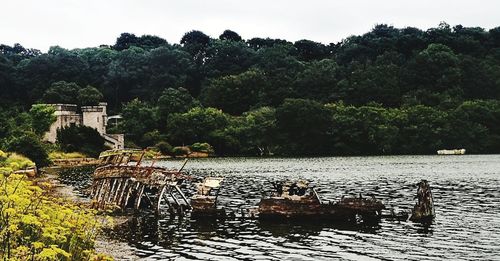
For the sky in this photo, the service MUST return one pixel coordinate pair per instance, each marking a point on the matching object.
(88, 23)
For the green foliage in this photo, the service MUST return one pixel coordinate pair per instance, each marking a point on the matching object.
(138, 119)
(303, 124)
(34, 226)
(235, 94)
(201, 147)
(42, 116)
(180, 151)
(89, 96)
(13, 162)
(175, 101)
(152, 137)
(80, 139)
(62, 92)
(230, 35)
(390, 90)
(164, 147)
(29, 144)
(196, 125)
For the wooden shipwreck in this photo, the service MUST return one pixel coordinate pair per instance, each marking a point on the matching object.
(298, 200)
(204, 202)
(121, 180)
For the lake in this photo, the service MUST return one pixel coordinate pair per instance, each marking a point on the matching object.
(465, 188)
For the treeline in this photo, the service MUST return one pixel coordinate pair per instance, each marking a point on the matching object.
(388, 91)
(304, 127)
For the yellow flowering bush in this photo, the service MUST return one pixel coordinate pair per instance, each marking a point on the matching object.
(13, 162)
(34, 226)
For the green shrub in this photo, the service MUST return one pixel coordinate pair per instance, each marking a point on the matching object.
(29, 144)
(201, 147)
(180, 151)
(164, 147)
(80, 139)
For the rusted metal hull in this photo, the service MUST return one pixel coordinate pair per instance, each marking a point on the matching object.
(311, 208)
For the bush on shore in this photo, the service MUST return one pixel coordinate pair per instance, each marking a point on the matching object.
(34, 226)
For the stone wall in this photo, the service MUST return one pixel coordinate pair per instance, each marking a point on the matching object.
(65, 116)
(91, 116)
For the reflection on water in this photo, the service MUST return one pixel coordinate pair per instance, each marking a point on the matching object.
(465, 188)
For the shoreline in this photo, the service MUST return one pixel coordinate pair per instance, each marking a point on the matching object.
(119, 250)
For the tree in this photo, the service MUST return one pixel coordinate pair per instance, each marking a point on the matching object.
(42, 116)
(235, 94)
(168, 68)
(86, 140)
(280, 68)
(261, 129)
(228, 57)
(7, 87)
(364, 130)
(125, 41)
(423, 130)
(62, 92)
(476, 126)
(98, 60)
(128, 76)
(196, 125)
(378, 82)
(174, 101)
(28, 144)
(437, 68)
(318, 81)
(36, 74)
(138, 119)
(230, 36)
(304, 126)
(309, 50)
(89, 96)
(195, 42)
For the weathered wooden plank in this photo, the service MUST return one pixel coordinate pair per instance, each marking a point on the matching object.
(128, 192)
(139, 196)
(183, 197)
(160, 194)
(122, 192)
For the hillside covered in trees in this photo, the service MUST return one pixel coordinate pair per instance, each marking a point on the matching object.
(389, 91)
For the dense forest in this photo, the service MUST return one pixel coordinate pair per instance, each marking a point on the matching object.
(389, 91)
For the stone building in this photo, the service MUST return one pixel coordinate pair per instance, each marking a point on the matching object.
(91, 116)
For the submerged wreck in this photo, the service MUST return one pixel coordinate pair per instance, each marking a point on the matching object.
(204, 202)
(298, 200)
(122, 181)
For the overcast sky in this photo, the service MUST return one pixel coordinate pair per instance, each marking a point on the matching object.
(87, 23)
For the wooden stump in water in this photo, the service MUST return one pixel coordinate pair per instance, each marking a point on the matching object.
(424, 209)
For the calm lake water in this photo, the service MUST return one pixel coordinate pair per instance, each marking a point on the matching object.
(466, 191)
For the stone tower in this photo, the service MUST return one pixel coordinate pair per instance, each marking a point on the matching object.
(95, 117)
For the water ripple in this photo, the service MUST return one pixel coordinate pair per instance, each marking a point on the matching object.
(465, 188)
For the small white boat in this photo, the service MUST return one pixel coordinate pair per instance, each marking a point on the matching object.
(451, 152)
